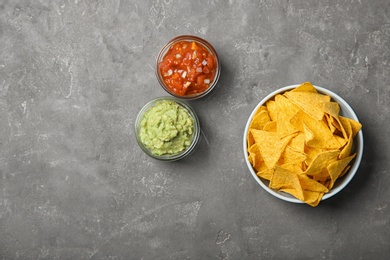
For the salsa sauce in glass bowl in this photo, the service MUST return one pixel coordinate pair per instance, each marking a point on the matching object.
(188, 67)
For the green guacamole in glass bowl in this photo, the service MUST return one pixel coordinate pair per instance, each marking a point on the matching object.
(167, 129)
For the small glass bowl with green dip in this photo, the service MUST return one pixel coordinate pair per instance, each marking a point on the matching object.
(167, 129)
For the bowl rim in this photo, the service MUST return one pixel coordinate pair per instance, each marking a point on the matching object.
(358, 145)
(195, 138)
(204, 43)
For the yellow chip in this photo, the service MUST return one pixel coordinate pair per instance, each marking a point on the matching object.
(309, 102)
(313, 198)
(270, 126)
(332, 109)
(346, 151)
(259, 120)
(318, 166)
(287, 181)
(321, 135)
(270, 145)
(305, 87)
(285, 110)
(309, 184)
(330, 121)
(292, 156)
(296, 168)
(261, 108)
(335, 169)
(312, 153)
(298, 142)
(355, 126)
(266, 174)
(249, 139)
(272, 110)
(255, 158)
(308, 134)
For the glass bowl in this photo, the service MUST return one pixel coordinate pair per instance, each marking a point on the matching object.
(174, 155)
(341, 183)
(180, 63)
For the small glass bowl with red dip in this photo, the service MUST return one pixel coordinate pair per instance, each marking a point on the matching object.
(188, 67)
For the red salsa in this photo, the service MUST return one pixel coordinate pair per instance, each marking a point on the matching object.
(188, 68)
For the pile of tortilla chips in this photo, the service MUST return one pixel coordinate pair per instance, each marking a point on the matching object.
(300, 143)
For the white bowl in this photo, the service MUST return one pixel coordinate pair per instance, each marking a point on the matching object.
(346, 111)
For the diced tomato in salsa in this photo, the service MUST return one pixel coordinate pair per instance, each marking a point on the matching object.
(188, 68)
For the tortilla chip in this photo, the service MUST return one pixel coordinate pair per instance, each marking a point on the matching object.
(312, 153)
(285, 110)
(308, 102)
(296, 168)
(309, 184)
(298, 142)
(266, 174)
(318, 166)
(305, 87)
(329, 120)
(335, 169)
(256, 159)
(272, 110)
(355, 126)
(271, 146)
(313, 198)
(292, 156)
(259, 120)
(346, 151)
(270, 126)
(287, 181)
(249, 139)
(322, 136)
(261, 108)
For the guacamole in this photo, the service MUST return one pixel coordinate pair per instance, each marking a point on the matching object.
(166, 128)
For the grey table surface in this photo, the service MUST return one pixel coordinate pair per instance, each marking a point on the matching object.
(75, 185)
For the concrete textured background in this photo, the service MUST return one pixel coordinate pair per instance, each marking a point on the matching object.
(75, 185)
